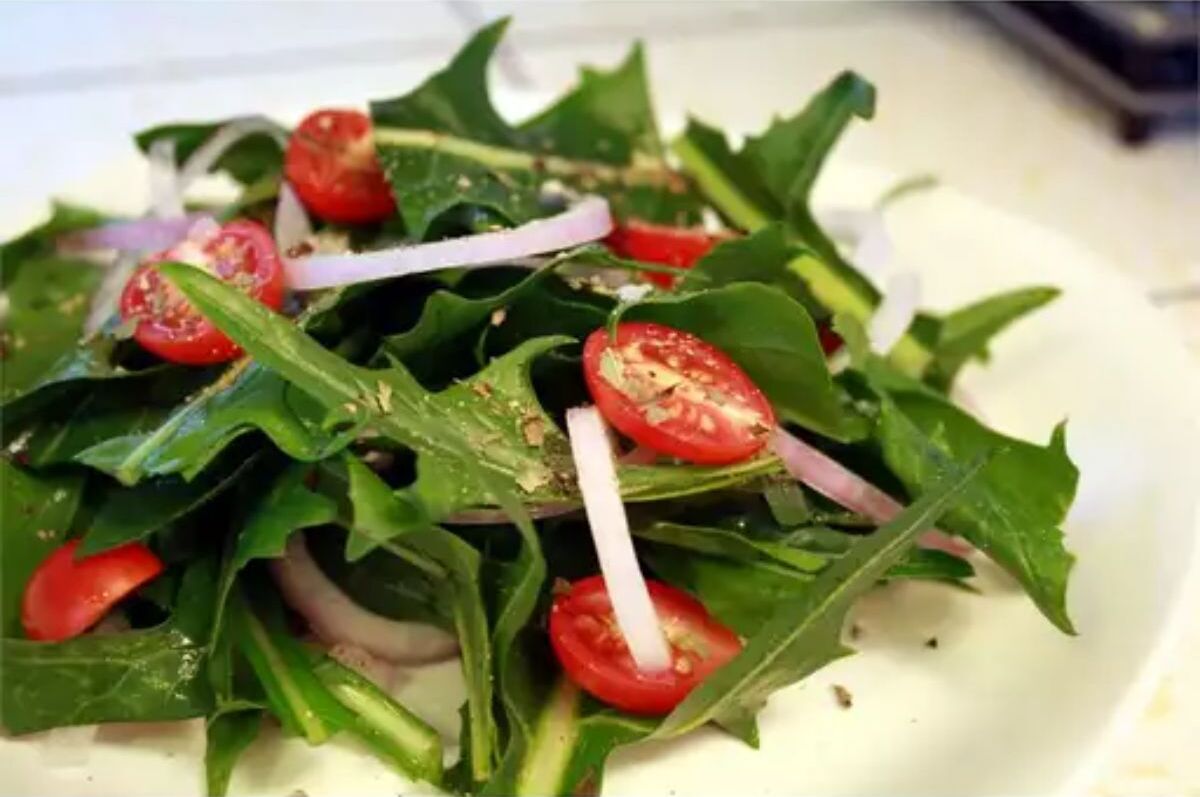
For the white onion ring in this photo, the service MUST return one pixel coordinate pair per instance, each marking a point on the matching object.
(166, 192)
(896, 311)
(202, 161)
(634, 611)
(587, 221)
(335, 618)
(845, 488)
(292, 226)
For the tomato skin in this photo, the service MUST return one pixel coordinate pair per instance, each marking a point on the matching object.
(589, 646)
(680, 247)
(677, 395)
(168, 326)
(830, 340)
(66, 596)
(331, 164)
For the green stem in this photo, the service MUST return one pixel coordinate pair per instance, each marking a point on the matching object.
(553, 743)
(387, 726)
(506, 159)
(307, 721)
(723, 194)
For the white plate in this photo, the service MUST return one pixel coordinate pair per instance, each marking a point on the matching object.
(1005, 704)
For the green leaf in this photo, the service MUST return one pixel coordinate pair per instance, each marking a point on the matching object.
(128, 514)
(559, 739)
(36, 510)
(48, 300)
(642, 483)
(383, 517)
(762, 256)
(772, 179)
(39, 241)
(250, 159)
(288, 506)
(965, 333)
(1012, 512)
(244, 399)
(804, 633)
(226, 736)
(156, 675)
(730, 545)
(772, 338)
(444, 145)
(101, 408)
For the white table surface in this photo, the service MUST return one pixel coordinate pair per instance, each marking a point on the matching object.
(956, 100)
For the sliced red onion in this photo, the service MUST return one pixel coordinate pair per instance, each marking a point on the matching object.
(489, 517)
(292, 226)
(202, 161)
(141, 235)
(166, 192)
(845, 488)
(587, 221)
(896, 311)
(623, 578)
(335, 618)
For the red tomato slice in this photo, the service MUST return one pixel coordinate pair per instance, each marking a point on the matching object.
(669, 246)
(240, 252)
(672, 392)
(585, 637)
(66, 596)
(331, 164)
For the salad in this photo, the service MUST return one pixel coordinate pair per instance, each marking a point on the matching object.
(619, 422)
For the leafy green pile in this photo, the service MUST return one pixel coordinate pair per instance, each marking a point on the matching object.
(457, 383)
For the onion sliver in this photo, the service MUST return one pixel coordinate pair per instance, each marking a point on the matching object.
(623, 579)
(587, 221)
(140, 235)
(292, 226)
(166, 192)
(202, 161)
(896, 311)
(846, 488)
(335, 618)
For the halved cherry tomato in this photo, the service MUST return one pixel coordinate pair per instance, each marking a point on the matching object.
(331, 164)
(588, 644)
(241, 253)
(66, 596)
(671, 392)
(680, 247)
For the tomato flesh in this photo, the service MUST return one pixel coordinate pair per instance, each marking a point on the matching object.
(331, 164)
(679, 247)
(673, 393)
(241, 253)
(66, 596)
(590, 647)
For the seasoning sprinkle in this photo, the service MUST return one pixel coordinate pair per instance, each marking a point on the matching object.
(843, 697)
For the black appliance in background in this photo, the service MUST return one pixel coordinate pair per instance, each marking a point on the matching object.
(1139, 59)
